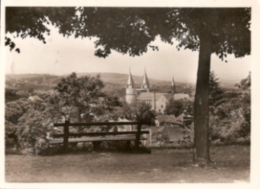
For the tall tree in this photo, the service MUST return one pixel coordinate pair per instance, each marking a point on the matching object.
(130, 30)
(215, 91)
(78, 97)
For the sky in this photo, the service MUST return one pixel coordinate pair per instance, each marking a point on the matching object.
(66, 55)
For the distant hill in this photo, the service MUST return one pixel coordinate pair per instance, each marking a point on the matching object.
(117, 78)
(229, 85)
(108, 78)
(114, 83)
(28, 76)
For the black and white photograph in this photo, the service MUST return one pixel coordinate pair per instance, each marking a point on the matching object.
(96, 93)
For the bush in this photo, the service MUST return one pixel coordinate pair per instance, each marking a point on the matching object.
(13, 111)
(231, 119)
(32, 129)
(229, 130)
(10, 135)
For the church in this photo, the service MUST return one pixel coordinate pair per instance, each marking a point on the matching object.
(157, 100)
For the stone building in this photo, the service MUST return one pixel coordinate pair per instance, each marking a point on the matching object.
(157, 100)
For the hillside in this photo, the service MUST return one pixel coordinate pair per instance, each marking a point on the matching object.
(114, 83)
(121, 79)
(110, 78)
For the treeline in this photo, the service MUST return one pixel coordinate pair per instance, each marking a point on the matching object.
(29, 116)
(229, 111)
(78, 99)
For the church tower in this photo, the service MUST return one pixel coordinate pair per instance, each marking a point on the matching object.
(173, 86)
(145, 85)
(130, 89)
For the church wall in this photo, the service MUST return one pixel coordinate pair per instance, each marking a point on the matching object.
(130, 95)
(161, 104)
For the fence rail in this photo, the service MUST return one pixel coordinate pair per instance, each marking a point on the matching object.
(66, 134)
(100, 133)
(96, 124)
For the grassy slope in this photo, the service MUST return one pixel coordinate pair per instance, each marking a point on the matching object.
(163, 165)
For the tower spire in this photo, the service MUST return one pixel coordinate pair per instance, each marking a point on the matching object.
(130, 90)
(173, 85)
(130, 82)
(145, 85)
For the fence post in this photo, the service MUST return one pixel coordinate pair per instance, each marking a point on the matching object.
(128, 145)
(137, 138)
(66, 135)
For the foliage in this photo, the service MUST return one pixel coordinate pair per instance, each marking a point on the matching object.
(245, 83)
(30, 90)
(228, 28)
(11, 95)
(45, 94)
(82, 100)
(10, 134)
(27, 122)
(137, 111)
(215, 91)
(178, 107)
(78, 97)
(231, 119)
(108, 108)
(116, 90)
(13, 112)
(14, 94)
(15, 109)
(33, 127)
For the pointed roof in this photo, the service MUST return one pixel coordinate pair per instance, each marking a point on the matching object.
(173, 82)
(130, 81)
(145, 80)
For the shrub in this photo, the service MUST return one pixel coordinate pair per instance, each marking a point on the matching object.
(32, 129)
(13, 111)
(10, 135)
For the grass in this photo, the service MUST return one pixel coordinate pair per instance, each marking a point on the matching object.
(161, 166)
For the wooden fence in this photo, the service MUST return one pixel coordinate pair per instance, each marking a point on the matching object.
(66, 133)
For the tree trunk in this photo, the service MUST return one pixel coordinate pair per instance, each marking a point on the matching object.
(201, 106)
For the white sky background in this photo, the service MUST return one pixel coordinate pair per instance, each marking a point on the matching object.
(65, 55)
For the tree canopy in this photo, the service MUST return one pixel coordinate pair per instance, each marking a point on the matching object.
(228, 28)
(178, 107)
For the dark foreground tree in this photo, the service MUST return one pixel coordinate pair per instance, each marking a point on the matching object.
(130, 30)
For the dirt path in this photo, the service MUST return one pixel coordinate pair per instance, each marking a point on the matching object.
(162, 165)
